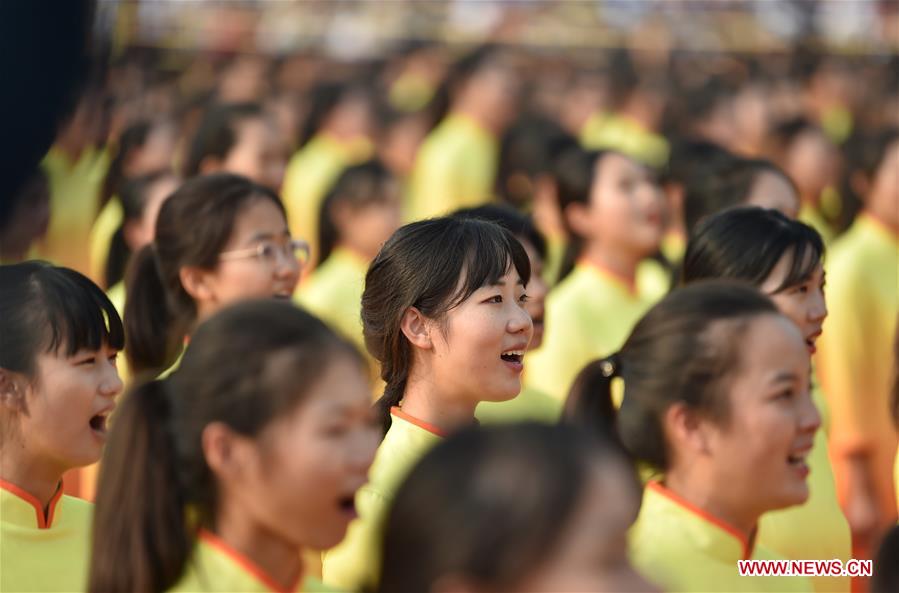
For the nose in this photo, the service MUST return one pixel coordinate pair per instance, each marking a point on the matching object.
(809, 417)
(818, 310)
(288, 265)
(111, 384)
(520, 322)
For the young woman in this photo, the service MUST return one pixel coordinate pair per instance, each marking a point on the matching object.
(220, 475)
(358, 215)
(615, 218)
(58, 384)
(716, 399)
(530, 403)
(219, 239)
(442, 313)
(784, 259)
(513, 508)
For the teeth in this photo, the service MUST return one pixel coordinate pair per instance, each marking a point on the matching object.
(513, 353)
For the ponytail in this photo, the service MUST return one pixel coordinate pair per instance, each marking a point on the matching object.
(117, 260)
(139, 480)
(589, 403)
(150, 323)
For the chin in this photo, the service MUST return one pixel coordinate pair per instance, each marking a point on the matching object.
(501, 395)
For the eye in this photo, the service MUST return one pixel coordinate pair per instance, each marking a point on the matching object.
(785, 394)
(113, 358)
(497, 299)
(524, 298)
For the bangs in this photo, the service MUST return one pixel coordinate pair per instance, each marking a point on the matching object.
(488, 252)
(79, 315)
(808, 250)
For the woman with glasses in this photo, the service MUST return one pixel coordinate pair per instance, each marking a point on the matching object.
(219, 239)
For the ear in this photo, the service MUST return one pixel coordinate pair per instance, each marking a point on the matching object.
(13, 390)
(210, 164)
(197, 283)
(417, 329)
(577, 216)
(228, 454)
(687, 430)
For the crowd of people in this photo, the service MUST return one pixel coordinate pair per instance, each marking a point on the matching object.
(456, 319)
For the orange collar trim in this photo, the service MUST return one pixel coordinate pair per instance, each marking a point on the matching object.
(43, 521)
(245, 563)
(657, 487)
(871, 221)
(396, 411)
(629, 285)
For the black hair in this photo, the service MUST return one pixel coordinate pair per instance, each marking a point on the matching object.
(324, 98)
(217, 133)
(490, 505)
(886, 565)
(747, 243)
(520, 225)
(45, 308)
(247, 365)
(421, 266)
(132, 139)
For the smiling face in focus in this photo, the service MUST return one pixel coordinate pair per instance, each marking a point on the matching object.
(478, 349)
(67, 406)
(802, 303)
(758, 453)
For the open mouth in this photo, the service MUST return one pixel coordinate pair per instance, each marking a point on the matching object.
(347, 505)
(98, 423)
(513, 356)
(798, 461)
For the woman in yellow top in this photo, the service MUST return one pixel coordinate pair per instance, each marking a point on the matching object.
(219, 239)
(442, 313)
(525, 507)
(359, 214)
(614, 212)
(457, 163)
(784, 259)
(337, 134)
(58, 384)
(716, 399)
(219, 476)
(855, 362)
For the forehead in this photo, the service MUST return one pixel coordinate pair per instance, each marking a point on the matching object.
(258, 216)
(780, 271)
(772, 344)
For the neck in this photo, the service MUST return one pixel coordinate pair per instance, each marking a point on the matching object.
(616, 261)
(701, 493)
(423, 401)
(277, 558)
(885, 217)
(475, 113)
(357, 250)
(30, 475)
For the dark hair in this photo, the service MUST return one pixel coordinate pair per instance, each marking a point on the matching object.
(45, 308)
(133, 197)
(323, 99)
(886, 564)
(489, 504)
(520, 225)
(358, 186)
(217, 133)
(746, 244)
(684, 350)
(131, 140)
(463, 69)
(421, 266)
(193, 226)
(246, 366)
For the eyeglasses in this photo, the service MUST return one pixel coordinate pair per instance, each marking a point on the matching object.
(268, 251)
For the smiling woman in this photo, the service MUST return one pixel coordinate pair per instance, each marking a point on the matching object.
(58, 383)
(219, 239)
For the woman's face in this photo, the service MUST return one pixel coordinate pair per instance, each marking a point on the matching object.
(141, 233)
(257, 153)
(626, 207)
(758, 454)
(273, 275)
(770, 190)
(592, 553)
(804, 303)
(155, 154)
(68, 403)
(307, 465)
(478, 349)
(535, 305)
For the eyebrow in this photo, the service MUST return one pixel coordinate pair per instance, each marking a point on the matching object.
(265, 235)
(501, 282)
(784, 376)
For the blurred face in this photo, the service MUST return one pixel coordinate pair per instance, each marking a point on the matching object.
(759, 455)
(771, 190)
(257, 153)
(274, 274)
(479, 349)
(155, 154)
(142, 232)
(306, 467)
(626, 208)
(537, 290)
(812, 162)
(367, 227)
(592, 554)
(29, 219)
(68, 403)
(494, 89)
(803, 303)
(886, 186)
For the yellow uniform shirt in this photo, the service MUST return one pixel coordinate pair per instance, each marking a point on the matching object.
(310, 174)
(812, 217)
(682, 548)
(74, 189)
(855, 352)
(530, 404)
(43, 552)
(108, 222)
(334, 294)
(455, 168)
(614, 132)
(354, 563)
(216, 567)
(589, 315)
